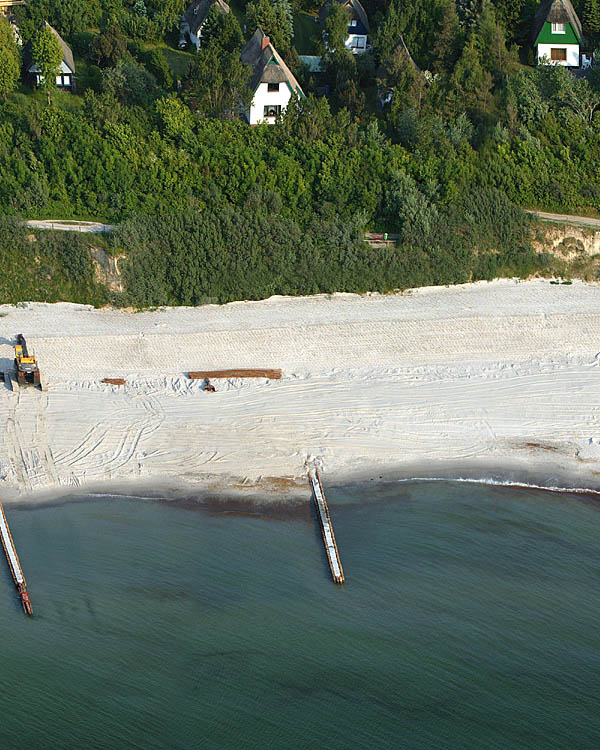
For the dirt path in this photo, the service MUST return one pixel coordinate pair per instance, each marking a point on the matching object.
(585, 221)
(70, 226)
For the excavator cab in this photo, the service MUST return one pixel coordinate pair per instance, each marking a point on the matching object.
(28, 372)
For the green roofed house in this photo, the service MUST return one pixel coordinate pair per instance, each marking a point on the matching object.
(557, 33)
(272, 83)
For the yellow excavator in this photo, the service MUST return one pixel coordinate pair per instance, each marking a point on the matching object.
(28, 372)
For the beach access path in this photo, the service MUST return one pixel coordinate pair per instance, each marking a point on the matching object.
(503, 374)
(65, 225)
(584, 221)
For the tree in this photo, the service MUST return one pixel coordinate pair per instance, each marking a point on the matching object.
(286, 9)
(68, 17)
(468, 11)
(273, 20)
(336, 26)
(216, 83)
(175, 117)
(9, 59)
(130, 82)
(157, 64)
(429, 29)
(470, 84)
(531, 107)
(447, 43)
(491, 43)
(406, 84)
(389, 30)
(306, 119)
(508, 12)
(407, 210)
(108, 48)
(581, 99)
(342, 64)
(47, 55)
(222, 29)
(591, 16)
(165, 13)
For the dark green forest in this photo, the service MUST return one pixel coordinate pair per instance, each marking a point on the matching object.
(211, 208)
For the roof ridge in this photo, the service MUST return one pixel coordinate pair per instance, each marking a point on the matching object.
(548, 8)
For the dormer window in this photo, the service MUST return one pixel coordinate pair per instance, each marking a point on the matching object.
(558, 28)
(353, 22)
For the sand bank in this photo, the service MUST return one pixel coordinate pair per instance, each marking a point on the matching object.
(498, 379)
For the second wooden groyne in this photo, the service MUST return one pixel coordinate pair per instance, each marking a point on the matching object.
(14, 564)
(337, 572)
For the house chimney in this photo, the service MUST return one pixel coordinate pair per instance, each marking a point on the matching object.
(265, 43)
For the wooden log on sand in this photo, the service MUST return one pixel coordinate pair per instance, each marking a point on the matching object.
(201, 374)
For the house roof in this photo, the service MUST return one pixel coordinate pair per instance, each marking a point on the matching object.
(556, 11)
(314, 63)
(28, 60)
(268, 65)
(354, 6)
(196, 13)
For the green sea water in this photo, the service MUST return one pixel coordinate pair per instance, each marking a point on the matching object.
(470, 620)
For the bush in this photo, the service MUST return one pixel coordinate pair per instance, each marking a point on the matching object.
(48, 266)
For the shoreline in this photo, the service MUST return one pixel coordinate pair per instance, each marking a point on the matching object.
(276, 491)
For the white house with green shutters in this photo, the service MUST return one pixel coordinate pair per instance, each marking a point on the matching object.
(557, 33)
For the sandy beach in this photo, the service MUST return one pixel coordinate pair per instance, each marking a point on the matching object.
(492, 380)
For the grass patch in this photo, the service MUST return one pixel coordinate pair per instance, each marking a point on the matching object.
(307, 34)
(178, 61)
(238, 9)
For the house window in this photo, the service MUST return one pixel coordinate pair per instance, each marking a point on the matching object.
(353, 22)
(274, 110)
(558, 28)
(272, 87)
(358, 42)
(558, 54)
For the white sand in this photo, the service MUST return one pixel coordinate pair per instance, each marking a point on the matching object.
(439, 382)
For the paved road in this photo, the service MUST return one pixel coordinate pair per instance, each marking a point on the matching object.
(585, 221)
(70, 226)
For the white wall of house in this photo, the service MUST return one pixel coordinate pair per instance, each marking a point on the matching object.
(196, 39)
(572, 50)
(263, 98)
(184, 29)
(356, 43)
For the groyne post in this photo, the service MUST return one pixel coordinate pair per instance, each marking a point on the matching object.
(331, 549)
(14, 563)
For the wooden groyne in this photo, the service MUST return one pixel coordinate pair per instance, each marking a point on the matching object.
(331, 549)
(14, 564)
